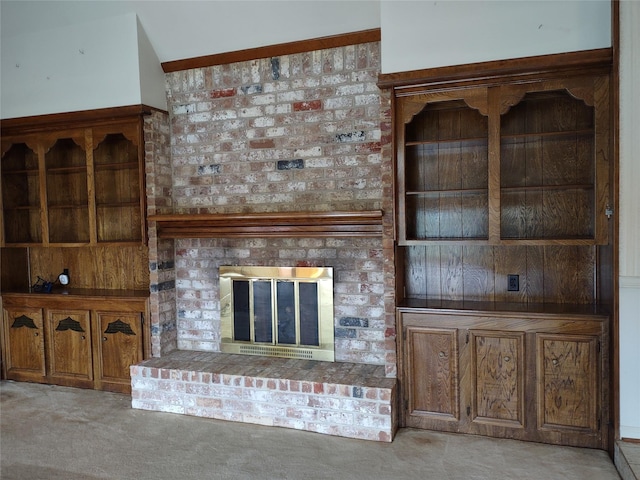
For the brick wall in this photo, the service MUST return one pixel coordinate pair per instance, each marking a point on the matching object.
(161, 252)
(303, 132)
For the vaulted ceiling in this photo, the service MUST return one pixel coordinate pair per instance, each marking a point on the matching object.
(181, 29)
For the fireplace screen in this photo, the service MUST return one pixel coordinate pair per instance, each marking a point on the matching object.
(277, 311)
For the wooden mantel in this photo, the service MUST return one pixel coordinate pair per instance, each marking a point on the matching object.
(273, 225)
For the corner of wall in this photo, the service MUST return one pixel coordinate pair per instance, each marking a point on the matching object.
(152, 80)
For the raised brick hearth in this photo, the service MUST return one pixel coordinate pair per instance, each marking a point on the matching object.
(343, 399)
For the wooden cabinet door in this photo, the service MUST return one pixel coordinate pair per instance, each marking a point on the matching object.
(24, 344)
(118, 346)
(538, 378)
(497, 373)
(69, 334)
(431, 384)
(568, 388)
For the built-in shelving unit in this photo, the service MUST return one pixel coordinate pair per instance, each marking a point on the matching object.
(504, 249)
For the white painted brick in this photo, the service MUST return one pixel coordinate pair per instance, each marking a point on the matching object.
(336, 418)
(367, 99)
(293, 96)
(315, 151)
(263, 99)
(338, 102)
(170, 409)
(258, 420)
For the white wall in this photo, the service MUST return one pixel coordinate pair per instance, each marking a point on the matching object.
(425, 34)
(629, 219)
(153, 91)
(45, 36)
(76, 67)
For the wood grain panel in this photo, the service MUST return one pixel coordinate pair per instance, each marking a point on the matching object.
(433, 363)
(24, 343)
(415, 271)
(123, 268)
(477, 271)
(536, 275)
(69, 334)
(424, 127)
(498, 382)
(567, 382)
(451, 272)
(449, 171)
(474, 218)
(14, 270)
(450, 215)
(119, 345)
(433, 275)
(552, 274)
(560, 286)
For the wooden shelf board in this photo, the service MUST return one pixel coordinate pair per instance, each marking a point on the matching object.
(499, 308)
(274, 225)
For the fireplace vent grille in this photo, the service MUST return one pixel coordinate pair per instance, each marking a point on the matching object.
(279, 351)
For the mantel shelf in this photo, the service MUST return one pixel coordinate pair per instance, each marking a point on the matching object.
(273, 225)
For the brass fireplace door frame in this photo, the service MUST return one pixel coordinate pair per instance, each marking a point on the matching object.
(321, 276)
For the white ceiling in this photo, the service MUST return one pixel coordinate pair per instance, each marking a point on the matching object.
(180, 29)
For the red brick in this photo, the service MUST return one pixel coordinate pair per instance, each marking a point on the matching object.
(226, 92)
(262, 143)
(311, 105)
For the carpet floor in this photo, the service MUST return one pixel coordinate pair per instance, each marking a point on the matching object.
(60, 433)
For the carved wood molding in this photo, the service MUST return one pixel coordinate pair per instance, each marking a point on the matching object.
(271, 225)
(586, 62)
(476, 99)
(321, 43)
(67, 120)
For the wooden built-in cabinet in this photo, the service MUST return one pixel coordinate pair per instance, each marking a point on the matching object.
(80, 339)
(528, 376)
(72, 198)
(504, 248)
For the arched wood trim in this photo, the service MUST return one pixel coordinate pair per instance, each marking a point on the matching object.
(476, 100)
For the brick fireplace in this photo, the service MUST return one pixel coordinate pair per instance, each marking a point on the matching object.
(288, 137)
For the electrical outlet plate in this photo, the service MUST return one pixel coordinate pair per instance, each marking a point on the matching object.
(513, 283)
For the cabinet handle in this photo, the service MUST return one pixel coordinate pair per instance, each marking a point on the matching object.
(441, 354)
(36, 334)
(507, 358)
(83, 337)
(104, 339)
(555, 362)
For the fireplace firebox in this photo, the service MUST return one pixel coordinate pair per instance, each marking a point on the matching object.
(277, 311)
